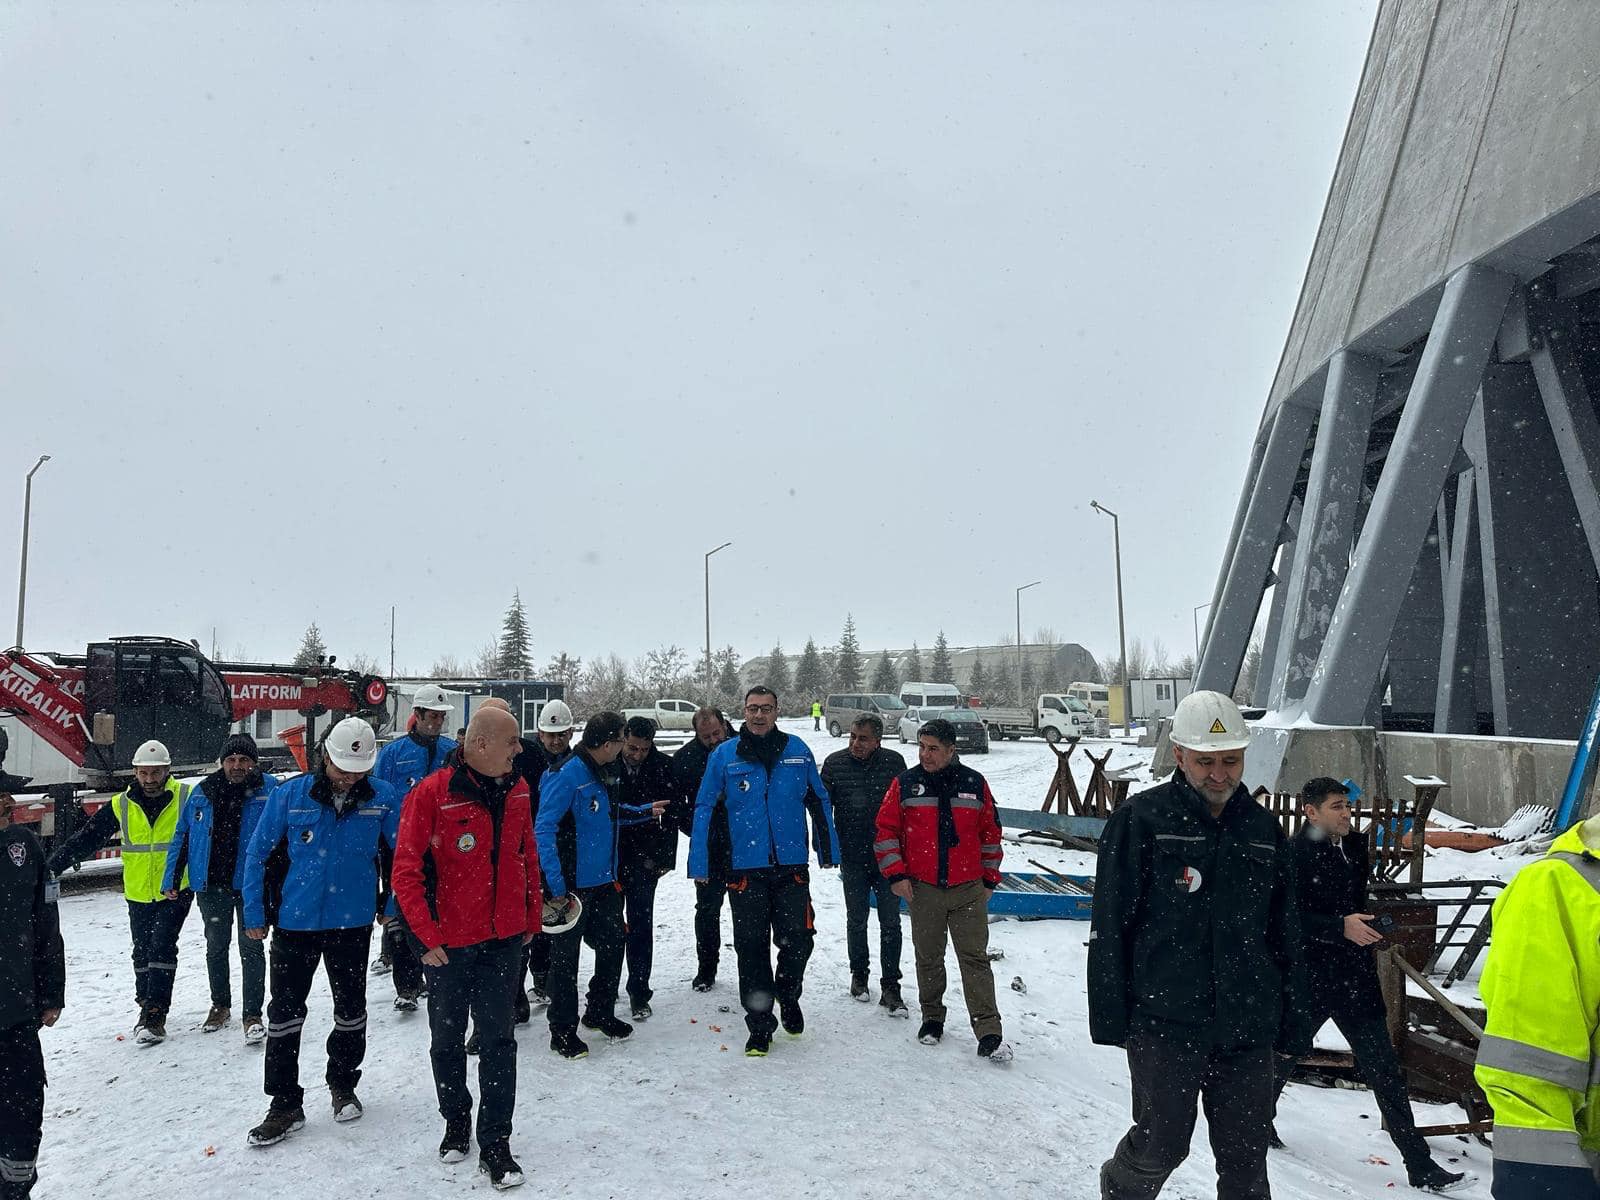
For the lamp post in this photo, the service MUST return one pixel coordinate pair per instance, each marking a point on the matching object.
(1022, 701)
(1122, 631)
(1195, 619)
(22, 575)
(709, 553)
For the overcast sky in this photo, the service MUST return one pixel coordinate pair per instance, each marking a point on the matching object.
(323, 308)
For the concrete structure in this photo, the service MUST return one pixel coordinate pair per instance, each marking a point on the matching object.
(1421, 500)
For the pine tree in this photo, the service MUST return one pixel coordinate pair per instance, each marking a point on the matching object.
(914, 666)
(884, 681)
(978, 680)
(727, 664)
(943, 672)
(847, 667)
(311, 649)
(515, 658)
(777, 675)
(810, 679)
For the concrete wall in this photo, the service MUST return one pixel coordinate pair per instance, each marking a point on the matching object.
(1490, 778)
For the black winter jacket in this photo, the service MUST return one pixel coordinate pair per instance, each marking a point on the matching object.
(648, 846)
(33, 964)
(857, 789)
(689, 769)
(1196, 933)
(1331, 883)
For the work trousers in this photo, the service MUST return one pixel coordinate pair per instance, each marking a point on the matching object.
(601, 927)
(295, 955)
(406, 963)
(960, 915)
(155, 927)
(218, 909)
(1379, 1068)
(21, 1108)
(537, 958)
(479, 980)
(639, 913)
(861, 881)
(1167, 1076)
(771, 907)
(708, 922)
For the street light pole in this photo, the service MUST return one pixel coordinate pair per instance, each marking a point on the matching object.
(1195, 620)
(709, 553)
(22, 575)
(1022, 700)
(1122, 630)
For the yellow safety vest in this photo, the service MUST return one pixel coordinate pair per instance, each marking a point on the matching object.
(144, 844)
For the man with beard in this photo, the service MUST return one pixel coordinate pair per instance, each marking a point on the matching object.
(216, 824)
(711, 729)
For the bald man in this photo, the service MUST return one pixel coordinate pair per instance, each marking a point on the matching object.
(467, 879)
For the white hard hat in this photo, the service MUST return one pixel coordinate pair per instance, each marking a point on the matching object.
(555, 717)
(152, 754)
(561, 918)
(1208, 721)
(432, 698)
(352, 745)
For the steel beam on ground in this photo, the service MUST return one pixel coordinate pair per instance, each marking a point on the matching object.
(1420, 457)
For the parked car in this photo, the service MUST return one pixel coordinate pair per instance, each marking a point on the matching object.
(667, 714)
(839, 712)
(970, 733)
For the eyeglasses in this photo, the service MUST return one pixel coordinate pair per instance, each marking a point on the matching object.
(760, 708)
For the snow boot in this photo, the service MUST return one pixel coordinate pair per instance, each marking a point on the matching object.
(641, 1010)
(382, 966)
(457, 1140)
(254, 1031)
(346, 1106)
(757, 1045)
(609, 1024)
(705, 978)
(566, 1042)
(215, 1019)
(1436, 1179)
(153, 1031)
(890, 999)
(930, 1033)
(503, 1171)
(858, 987)
(280, 1123)
(794, 1021)
(405, 1002)
(992, 1047)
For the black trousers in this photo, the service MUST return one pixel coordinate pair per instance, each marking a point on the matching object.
(639, 911)
(155, 928)
(293, 965)
(1379, 1068)
(400, 949)
(478, 980)
(708, 921)
(1167, 1077)
(601, 927)
(860, 882)
(537, 956)
(21, 1108)
(770, 908)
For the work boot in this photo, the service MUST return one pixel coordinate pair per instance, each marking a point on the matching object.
(346, 1107)
(254, 1031)
(994, 1048)
(930, 1033)
(496, 1162)
(641, 1010)
(704, 980)
(1436, 1179)
(153, 1030)
(564, 1040)
(215, 1019)
(537, 996)
(890, 999)
(757, 1045)
(794, 1021)
(282, 1120)
(406, 1002)
(612, 1026)
(382, 966)
(858, 987)
(457, 1139)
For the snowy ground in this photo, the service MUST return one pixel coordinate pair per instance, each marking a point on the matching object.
(854, 1108)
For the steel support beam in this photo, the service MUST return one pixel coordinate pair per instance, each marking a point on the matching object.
(1402, 508)
(1455, 706)
(1322, 553)
(1572, 419)
(1275, 631)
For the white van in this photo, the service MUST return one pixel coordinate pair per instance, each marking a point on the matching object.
(1095, 696)
(931, 695)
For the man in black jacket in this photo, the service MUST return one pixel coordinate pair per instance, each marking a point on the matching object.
(1331, 866)
(647, 847)
(1195, 960)
(711, 729)
(857, 778)
(33, 974)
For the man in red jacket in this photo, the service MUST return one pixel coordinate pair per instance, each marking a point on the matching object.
(466, 875)
(938, 845)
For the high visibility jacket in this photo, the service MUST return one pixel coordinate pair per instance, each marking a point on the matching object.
(1539, 1061)
(145, 843)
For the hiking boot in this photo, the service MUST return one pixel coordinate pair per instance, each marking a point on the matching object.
(457, 1140)
(612, 1026)
(994, 1048)
(794, 1021)
(346, 1107)
(890, 999)
(930, 1033)
(405, 1002)
(858, 987)
(215, 1019)
(704, 980)
(254, 1031)
(1436, 1179)
(153, 1031)
(280, 1123)
(757, 1045)
(566, 1042)
(496, 1162)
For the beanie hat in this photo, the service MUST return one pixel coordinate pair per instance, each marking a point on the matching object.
(240, 743)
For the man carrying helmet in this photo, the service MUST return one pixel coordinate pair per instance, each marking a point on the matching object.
(1195, 960)
(311, 870)
(146, 817)
(402, 764)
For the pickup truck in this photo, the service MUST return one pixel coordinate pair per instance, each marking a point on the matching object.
(1055, 716)
(667, 714)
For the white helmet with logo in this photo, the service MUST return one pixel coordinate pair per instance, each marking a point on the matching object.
(1210, 722)
(555, 717)
(431, 698)
(152, 754)
(352, 745)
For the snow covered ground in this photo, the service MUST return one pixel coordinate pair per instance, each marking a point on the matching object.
(853, 1108)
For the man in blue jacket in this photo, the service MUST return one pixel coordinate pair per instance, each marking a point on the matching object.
(402, 764)
(215, 826)
(315, 853)
(577, 831)
(767, 782)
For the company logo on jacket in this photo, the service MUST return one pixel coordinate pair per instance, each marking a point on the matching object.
(18, 853)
